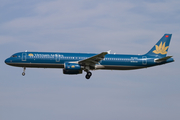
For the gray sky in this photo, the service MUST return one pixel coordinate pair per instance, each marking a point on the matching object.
(125, 27)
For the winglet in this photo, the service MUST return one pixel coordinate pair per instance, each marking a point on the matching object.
(109, 51)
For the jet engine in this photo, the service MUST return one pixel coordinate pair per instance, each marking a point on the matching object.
(72, 68)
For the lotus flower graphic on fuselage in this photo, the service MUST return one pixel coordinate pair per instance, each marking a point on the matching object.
(161, 49)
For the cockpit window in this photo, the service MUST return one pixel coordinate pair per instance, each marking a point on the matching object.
(14, 56)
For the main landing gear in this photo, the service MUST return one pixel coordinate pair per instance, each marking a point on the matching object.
(88, 75)
(23, 74)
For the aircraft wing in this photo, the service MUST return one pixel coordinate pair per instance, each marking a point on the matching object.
(94, 59)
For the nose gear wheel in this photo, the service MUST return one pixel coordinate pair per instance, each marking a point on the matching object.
(23, 74)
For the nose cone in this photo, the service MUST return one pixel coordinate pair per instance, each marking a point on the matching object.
(7, 61)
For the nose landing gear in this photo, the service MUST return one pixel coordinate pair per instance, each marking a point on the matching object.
(23, 74)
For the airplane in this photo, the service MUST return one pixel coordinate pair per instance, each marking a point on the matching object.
(76, 63)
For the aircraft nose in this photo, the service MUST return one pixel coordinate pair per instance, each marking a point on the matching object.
(7, 61)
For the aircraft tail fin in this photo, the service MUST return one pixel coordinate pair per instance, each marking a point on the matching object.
(161, 47)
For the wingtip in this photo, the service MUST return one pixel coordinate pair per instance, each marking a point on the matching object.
(109, 51)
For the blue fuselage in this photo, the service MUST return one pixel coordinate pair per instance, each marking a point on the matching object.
(57, 60)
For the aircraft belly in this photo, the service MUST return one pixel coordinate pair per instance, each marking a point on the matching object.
(37, 65)
(113, 67)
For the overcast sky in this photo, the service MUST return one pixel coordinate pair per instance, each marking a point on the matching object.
(122, 26)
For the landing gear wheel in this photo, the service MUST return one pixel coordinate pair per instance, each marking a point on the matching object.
(23, 74)
(88, 75)
(24, 69)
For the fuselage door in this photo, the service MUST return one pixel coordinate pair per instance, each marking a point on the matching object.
(24, 56)
(144, 60)
(57, 57)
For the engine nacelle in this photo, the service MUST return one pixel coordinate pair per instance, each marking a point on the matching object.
(72, 72)
(72, 68)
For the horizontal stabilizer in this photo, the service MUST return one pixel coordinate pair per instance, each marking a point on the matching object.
(163, 59)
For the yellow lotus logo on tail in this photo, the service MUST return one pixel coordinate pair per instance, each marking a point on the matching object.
(161, 49)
